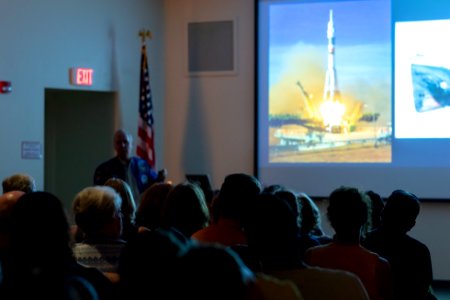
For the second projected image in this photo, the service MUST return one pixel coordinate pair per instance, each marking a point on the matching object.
(330, 82)
(422, 79)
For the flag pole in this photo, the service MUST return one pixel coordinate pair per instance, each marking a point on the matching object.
(145, 147)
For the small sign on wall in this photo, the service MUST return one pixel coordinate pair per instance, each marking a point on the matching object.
(31, 150)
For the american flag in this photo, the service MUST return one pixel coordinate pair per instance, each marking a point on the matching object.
(145, 144)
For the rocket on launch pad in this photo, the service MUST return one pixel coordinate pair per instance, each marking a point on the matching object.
(331, 90)
(332, 109)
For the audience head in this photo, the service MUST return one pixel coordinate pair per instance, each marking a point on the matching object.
(19, 182)
(348, 212)
(7, 202)
(309, 215)
(97, 211)
(400, 211)
(272, 231)
(150, 208)
(214, 208)
(185, 209)
(289, 196)
(292, 200)
(235, 194)
(123, 142)
(147, 266)
(38, 218)
(128, 202)
(212, 272)
(40, 253)
(377, 205)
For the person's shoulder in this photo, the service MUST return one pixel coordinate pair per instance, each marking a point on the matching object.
(346, 281)
(319, 248)
(271, 287)
(414, 243)
(108, 163)
(140, 162)
(106, 170)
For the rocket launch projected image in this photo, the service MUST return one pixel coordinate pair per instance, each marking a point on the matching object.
(329, 83)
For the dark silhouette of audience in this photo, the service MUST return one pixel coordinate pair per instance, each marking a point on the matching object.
(250, 243)
(311, 221)
(348, 211)
(305, 239)
(409, 258)
(212, 272)
(41, 263)
(148, 266)
(272, 230)
(377, 205)
(231, 208)
(149, 211)
(185, 209)
(7, 202)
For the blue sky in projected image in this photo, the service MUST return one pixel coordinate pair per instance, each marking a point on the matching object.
(362, 32)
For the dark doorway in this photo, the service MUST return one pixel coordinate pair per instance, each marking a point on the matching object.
(79, 126)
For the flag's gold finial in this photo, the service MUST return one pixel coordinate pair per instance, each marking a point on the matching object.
(145, 34)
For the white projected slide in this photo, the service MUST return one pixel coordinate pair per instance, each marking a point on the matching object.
(422, 93)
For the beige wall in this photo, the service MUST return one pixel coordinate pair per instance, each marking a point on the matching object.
(209, 119)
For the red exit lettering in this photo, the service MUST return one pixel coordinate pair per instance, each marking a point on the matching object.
(84, 76)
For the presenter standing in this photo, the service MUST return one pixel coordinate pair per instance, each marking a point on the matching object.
(132, 169)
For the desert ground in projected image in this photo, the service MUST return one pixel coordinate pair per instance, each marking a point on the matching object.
(367, 144)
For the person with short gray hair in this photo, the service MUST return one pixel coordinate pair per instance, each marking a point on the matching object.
(19, 182)
(97, 213)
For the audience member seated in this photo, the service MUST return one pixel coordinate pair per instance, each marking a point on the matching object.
(128, 208)
(288, 195)
(7, 202)
(213, 208)
(306, 240)
(147, 266)
(212, 272)
(185, 209)
(272, 231)
(231, 206)
(149, 211)
(19, 182)
(348, 211)
(377, 205)
(410, 259)
(41, 263)
(97, 212)
(310, 220)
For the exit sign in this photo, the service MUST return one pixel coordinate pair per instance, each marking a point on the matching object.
(81, 76)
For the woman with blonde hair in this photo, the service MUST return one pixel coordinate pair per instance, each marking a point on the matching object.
(128, 206)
